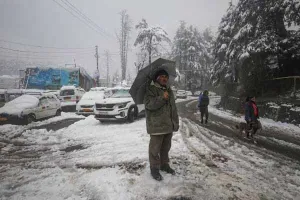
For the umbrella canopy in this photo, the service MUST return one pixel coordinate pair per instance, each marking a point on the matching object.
(146, 75)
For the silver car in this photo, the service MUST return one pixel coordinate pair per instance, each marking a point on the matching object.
(28, 108)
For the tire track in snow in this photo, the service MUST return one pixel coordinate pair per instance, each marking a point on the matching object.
(208, 137)
(264, 141)
(220, 122)
(212, 169)
(242, 162)
(207, 160)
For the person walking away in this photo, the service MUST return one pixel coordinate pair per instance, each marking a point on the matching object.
(161, 121)
(203, 105)
(251, 117)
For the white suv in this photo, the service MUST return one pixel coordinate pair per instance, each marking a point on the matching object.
(118, 106)
(70, 96)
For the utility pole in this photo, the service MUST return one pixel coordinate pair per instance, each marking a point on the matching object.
(107, 67)
(97, 60)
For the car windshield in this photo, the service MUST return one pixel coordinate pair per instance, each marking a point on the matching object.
(67, 92)
(121, 94)
(97, 95)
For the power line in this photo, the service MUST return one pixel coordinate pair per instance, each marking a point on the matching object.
(25, 51)
(111, 54)
(35, 58)
(72, 7)
(76, 16)
(43, 56)
(45, 47)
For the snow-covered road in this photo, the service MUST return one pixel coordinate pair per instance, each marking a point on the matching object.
(91, 160)
(277, 137)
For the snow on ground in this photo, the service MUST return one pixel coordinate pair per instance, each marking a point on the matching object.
(93, 160)
(11, 131)
(263, 175)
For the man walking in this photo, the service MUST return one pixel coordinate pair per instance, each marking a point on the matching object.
(162, 120)
(203, 105)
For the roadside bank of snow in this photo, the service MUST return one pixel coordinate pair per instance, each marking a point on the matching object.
(8, 131)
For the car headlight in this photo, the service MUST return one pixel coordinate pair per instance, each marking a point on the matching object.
(123, 105)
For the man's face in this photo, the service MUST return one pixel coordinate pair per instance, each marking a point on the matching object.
(253, 99)
(163, 80)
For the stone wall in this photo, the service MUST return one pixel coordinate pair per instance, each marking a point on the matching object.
(278, 110)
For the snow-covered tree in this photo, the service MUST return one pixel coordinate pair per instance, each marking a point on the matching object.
(150, 38)
(258, 40)
(141, 60)
(192, 51)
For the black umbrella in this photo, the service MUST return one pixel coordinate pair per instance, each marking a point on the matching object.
(146, 75)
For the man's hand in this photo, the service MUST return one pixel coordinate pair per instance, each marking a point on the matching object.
(166, 95)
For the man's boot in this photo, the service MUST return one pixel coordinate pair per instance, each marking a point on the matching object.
(155, 174)
(167, 168)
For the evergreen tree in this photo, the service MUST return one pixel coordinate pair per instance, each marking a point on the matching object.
(192, 51)
(150, 38)
(255, 42)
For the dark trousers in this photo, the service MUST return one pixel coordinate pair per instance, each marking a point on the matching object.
(252, 127)
(204, 111)
(159, 148)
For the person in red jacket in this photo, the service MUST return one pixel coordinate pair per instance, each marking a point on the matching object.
(251, 116)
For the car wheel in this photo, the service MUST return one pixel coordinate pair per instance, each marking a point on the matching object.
(58, 113)
(30, 118)
(132, 114)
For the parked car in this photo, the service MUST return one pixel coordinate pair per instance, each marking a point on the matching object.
(28, 108)
(118, 106)
(87, 103)
(55, 92)
(70, 96)
(189, 93)
(181, 94)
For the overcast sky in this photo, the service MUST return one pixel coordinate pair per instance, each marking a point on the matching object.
(45, 23)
